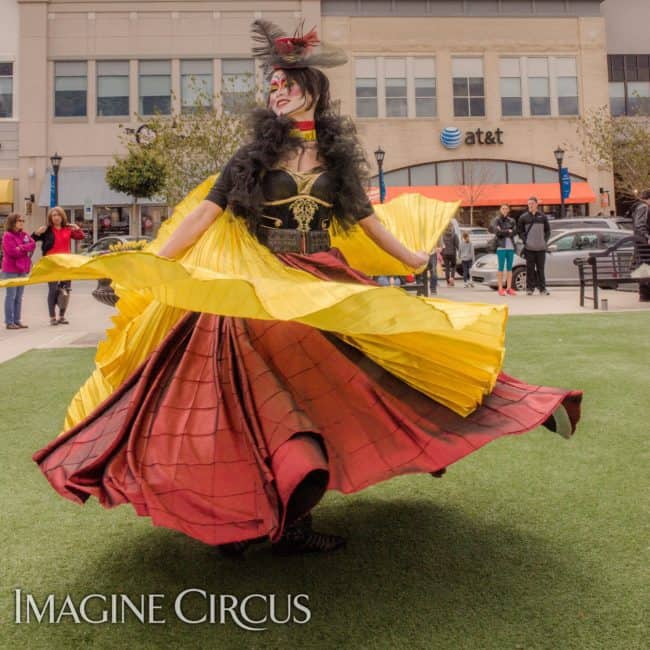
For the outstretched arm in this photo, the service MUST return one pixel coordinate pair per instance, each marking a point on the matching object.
(387, 242)
(191, 228)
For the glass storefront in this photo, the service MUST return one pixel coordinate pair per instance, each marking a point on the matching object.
(112, 221)
(151, 217)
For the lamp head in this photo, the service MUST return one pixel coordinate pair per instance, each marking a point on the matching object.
(56, 161)
(379, 155)
(559, 155)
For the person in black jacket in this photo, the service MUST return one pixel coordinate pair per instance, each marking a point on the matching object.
(534, 230)
(504, 229)
(641, 226)
(450, 245)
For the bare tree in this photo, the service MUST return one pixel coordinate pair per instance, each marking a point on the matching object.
(477, 175)
(620, 144)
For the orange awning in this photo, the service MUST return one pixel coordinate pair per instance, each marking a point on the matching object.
(494, 195)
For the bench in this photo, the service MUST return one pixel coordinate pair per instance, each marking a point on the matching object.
(609, 268)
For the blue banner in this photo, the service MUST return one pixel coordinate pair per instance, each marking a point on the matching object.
(565, 182)
(52, 190)
(382, 187)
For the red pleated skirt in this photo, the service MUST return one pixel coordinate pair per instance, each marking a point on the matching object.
(235, 426)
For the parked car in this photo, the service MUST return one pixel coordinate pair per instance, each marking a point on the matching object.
(478, 236)
(103, 292)
(583, 222)
(563, 248)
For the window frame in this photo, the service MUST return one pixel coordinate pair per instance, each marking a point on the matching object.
(170, 75)
(553, 68)
(468, 84)
(12, 111)
(381, 98)
(84, 116)
(98, 64)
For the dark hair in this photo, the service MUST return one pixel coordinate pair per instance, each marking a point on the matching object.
(533, 198)
(645, 195)
(10, 223)
(272, 139)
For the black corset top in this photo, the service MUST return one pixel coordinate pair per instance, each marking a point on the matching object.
(298, 200)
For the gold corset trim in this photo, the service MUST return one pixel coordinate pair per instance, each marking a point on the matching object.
(303, 205)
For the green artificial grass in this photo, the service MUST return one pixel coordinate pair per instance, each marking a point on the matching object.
(532, 542)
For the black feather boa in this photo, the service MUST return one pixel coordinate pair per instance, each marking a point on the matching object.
(272, 140)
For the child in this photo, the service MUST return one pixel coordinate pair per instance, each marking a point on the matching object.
(466, 252)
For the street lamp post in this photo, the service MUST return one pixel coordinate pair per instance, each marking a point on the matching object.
(55, 160)
(379, 157)
(559, 157)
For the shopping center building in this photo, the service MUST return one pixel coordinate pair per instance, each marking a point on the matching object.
(469, 99)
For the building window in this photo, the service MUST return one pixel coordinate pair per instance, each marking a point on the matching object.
(197, 86)
(395, 87)
(469, 87)
(424, 73)
(538, 86)
(629, 84)
(70, 88)
(510, 84)
(567, 86)
(112, 88)
(6, 89)
(237, 84)
(366, 87)
(155, 88)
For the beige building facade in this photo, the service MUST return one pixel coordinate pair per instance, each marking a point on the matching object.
(509, 77)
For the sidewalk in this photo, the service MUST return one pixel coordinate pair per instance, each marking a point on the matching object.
(89, 319)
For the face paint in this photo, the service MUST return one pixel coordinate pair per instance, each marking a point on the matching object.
(285, 96)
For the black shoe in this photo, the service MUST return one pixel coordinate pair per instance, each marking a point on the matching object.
(529, 292)
(299, 537)
(439, 473)
(545, 292)
(233, 549)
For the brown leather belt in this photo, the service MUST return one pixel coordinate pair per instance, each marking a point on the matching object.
(289, 240)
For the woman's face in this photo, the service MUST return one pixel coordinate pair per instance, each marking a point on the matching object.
(20, 224)
(56, 219)
(286, 97)
(505, 210)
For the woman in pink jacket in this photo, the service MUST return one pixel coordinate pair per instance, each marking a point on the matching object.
(17, 249)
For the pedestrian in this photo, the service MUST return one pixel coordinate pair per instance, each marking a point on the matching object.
(641, 227)
(435, 260)
(466, 252)
(450, 246)
(534, 230)
(17, 249)
(55, 238)
(504, 228)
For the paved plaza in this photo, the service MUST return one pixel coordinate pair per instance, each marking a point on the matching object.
(89, 319)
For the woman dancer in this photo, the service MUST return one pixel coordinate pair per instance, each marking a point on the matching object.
(234, 428)
(55, 238)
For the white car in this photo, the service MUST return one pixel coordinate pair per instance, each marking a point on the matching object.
(563, 247)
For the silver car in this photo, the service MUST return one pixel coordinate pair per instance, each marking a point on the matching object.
(563, 248)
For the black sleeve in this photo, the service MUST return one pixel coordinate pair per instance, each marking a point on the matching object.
(363, 211)
(222, 187)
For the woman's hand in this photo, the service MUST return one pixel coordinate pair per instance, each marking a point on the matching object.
(387, 242)
(419, 261)
(74, 226)
(41, 230)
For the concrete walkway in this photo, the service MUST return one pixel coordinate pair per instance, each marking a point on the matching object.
(90, 319)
